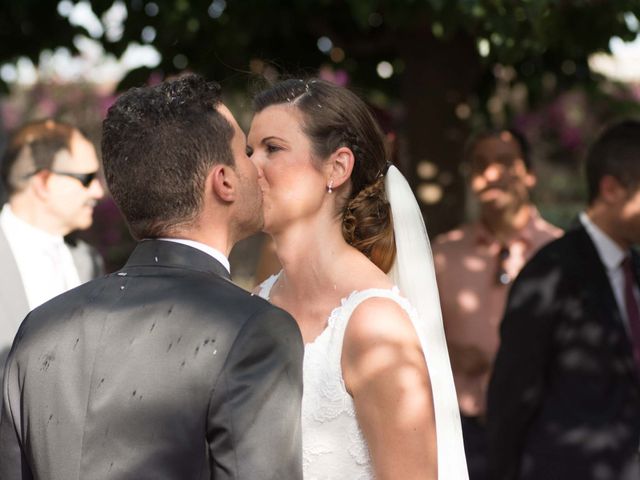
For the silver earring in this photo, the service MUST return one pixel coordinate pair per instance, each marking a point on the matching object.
(330, 187)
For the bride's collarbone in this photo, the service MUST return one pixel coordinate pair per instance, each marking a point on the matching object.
(308, 313)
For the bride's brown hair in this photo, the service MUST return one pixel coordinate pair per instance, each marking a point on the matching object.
(334, 117)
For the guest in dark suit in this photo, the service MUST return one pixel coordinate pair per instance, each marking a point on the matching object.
(164, 369)
(49, 172)
(564, 399)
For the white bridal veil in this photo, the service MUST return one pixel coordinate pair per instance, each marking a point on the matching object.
(414, 274)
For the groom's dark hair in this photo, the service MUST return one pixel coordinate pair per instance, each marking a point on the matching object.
(158, 145)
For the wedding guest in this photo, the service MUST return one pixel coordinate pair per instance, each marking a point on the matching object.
(475, 265)
(564, 400)
(49, 173)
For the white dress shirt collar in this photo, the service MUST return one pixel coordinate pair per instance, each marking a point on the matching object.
(611, 256)
(610, 252)
(16, 225)
(217, 254)
(44, 261)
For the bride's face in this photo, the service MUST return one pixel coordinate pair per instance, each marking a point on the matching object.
(292, 184)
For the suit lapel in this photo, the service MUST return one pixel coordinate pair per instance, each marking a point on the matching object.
(172, 254)
(635, 261)
(11, 286)
(600, 294)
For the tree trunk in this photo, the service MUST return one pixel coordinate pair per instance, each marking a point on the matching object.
(438, 76)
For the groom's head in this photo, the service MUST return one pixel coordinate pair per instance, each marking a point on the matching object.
(173, 150)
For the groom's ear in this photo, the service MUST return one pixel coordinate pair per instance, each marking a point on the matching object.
(221, 182)
(340, 166)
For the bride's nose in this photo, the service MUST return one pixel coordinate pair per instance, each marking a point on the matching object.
(257, 163)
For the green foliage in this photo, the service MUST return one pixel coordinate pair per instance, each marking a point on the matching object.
(221, 38)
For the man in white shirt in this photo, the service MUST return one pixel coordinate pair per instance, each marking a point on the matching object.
(564, 398)
(49, 172)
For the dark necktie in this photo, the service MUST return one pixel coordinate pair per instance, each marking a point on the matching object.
(502, 275)
(631, 305)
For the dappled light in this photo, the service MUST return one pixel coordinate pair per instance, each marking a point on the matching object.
(487, 109)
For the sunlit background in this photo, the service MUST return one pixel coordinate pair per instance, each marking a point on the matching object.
(432, 71)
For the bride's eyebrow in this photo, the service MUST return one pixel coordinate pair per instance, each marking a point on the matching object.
(268, 139)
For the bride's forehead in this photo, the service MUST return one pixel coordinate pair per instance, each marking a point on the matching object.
(279, 113)
(276, 120)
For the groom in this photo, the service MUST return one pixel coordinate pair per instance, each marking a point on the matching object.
(164, 369)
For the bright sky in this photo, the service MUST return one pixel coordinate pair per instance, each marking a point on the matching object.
(623, 64)
(93, 63)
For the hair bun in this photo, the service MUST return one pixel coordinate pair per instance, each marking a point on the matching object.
(368, 226)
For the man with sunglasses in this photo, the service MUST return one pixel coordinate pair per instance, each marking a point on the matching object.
(475, 265)
(49, 174)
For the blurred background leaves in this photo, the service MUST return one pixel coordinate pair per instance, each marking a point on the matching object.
(433, 70)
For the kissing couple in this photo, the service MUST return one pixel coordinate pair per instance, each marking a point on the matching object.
(167, 370)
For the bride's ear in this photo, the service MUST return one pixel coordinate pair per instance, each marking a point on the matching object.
(340, 166)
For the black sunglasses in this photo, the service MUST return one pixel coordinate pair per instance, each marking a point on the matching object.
(84, 178)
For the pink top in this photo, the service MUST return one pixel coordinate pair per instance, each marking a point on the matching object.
(467, 262)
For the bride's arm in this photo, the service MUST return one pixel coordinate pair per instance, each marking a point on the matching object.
(384, 370)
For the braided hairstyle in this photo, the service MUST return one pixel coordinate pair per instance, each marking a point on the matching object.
(334, 117)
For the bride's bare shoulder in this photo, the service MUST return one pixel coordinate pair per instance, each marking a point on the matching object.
(362, 274)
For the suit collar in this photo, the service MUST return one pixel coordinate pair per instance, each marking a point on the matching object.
(600, 291)
(215, 253)
(172, 254)
(609, 251)
(592, 265)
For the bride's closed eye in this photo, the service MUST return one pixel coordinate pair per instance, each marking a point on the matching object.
(271, 148)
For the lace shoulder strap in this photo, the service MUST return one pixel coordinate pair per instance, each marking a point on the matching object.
(265, 287)
(340, 317)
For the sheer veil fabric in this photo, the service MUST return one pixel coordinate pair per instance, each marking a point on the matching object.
(414, 274)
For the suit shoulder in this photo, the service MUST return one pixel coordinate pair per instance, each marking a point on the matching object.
(239, 303)
(559, 249)
(270, 325)
(557, 262)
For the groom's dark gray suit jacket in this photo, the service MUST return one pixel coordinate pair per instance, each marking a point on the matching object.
(163, 370)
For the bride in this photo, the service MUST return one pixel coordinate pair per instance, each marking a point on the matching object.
(379, 400)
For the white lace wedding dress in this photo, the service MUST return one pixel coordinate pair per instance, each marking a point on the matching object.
(333, 447)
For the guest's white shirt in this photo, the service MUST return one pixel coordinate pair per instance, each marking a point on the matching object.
(612, 256)
(44, 261)
(217, 254)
